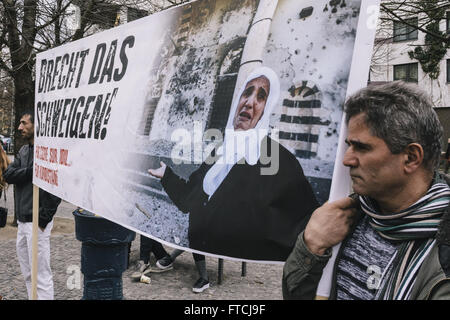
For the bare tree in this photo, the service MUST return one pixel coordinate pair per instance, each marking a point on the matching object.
(6, 106)
(428, 12)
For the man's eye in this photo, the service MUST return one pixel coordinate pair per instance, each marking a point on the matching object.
(357, 146)
(361, 147)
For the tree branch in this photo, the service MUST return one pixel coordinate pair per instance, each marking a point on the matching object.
(392, 12)
(56, 15)
(5, 67)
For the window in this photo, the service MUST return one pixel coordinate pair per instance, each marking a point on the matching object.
(404, 31)
(406, 72)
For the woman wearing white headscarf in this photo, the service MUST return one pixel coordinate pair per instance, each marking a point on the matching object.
(235, 209)
(248, 124)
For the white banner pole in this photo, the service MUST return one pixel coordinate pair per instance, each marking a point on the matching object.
(341, 182)
(34, 248)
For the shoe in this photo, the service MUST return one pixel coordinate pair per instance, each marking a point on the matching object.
(141, 268)
(201, 285)
(163, 264)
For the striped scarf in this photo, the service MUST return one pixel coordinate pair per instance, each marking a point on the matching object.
(416, 228)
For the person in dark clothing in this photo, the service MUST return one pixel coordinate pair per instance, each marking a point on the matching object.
(148, 246)
(200, 262)
(20, 173)
(250, 216)
(237, 208)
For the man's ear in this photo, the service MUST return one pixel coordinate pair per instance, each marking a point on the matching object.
(413, 157)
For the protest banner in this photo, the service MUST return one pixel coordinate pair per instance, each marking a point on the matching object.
(174, 87)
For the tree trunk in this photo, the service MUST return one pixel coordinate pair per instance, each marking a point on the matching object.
(23, 101)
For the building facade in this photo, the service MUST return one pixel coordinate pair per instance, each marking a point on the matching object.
(392, 61)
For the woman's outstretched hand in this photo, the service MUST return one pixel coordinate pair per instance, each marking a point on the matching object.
(158, 173)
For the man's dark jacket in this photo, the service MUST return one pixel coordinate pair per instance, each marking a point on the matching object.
(250, 216)
(20, 173)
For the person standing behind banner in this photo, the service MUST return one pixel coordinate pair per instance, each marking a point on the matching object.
(395, 230)
(20, 173)
(202, 282)
(146, 247)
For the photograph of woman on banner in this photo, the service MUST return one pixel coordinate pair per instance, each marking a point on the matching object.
(241, 205)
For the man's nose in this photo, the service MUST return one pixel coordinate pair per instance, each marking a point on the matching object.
(350, 159)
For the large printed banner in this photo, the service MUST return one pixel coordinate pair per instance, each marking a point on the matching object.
(235, 106)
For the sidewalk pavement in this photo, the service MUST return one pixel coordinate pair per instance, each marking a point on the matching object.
(262, 281)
